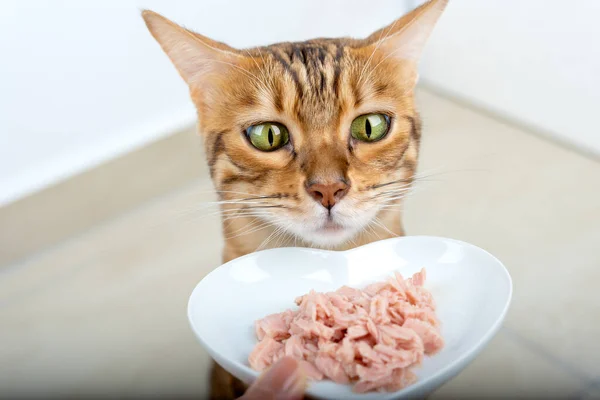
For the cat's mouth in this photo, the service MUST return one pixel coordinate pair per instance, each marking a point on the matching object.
(331, 232)
(331, 228)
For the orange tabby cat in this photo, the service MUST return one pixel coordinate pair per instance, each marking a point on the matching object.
(312, 143)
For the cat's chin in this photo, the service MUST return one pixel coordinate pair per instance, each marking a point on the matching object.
(331, 227)
(332, 231)
(329, 236)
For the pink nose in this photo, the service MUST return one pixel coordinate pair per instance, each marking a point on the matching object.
(328, 193)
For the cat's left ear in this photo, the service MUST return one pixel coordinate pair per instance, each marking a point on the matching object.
(405, 38)
(196, 57)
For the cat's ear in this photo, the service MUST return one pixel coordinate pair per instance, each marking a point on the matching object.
(195, 56)
(405, 38)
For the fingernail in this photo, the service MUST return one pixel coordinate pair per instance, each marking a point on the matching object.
(293, 387)
(286, 380)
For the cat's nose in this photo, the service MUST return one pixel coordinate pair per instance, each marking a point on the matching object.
(328, 193)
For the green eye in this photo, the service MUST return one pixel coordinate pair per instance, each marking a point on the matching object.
(268, 136)
(370, 127)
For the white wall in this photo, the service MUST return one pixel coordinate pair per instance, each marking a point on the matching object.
(536, 61)
(83, 81)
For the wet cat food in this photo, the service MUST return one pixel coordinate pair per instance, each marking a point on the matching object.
(371, 338)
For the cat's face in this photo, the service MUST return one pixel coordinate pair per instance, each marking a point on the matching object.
(317, 138)
(327, 178)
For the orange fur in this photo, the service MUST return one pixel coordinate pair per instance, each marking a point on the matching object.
(316, 89)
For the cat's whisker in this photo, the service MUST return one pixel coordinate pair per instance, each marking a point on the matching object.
(398, 181)
(391, 193)
(364, 232)
(246, 211)
(405, 182)
(395, 185)
(393, 197)
(248, 232)
(390, 190)
(248, 200)
(264, 219)
(224, 213)
(226, 206)
(453, 171)
(392, 210)
(392, 207)
(279, 240)
(229, 220)
(269, 206)
(252, 229)
(390, 198)
(399, 184)
(251, 207)
(263, 209)
(285, 233)
(353, 242)
(263, 216)
(235, 192)
(206, 204)
(209, 204)
(244, 215)
(233, 201)
(195, 214)
(266, 241)
(230, 211)
(245, 208)
(259, 221)
(372, 230)
(415, 179)
(393, 203)
(397, 201)
(379, 223)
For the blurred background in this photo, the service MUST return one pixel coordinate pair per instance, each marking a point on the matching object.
(102, 236)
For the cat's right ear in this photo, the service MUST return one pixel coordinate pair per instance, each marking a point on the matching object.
(405, 38)
(195, 56)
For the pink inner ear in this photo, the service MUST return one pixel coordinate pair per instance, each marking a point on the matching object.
(195, 56)
(406, 37)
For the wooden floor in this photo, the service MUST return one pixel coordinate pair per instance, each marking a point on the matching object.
(104, 313)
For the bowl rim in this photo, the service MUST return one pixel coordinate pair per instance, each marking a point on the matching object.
(444, 371)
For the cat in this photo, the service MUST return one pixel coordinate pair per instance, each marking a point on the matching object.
(310, 144)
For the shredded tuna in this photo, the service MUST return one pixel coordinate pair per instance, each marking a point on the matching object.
(372, 338)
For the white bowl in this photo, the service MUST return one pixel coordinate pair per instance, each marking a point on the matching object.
(471, 287)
